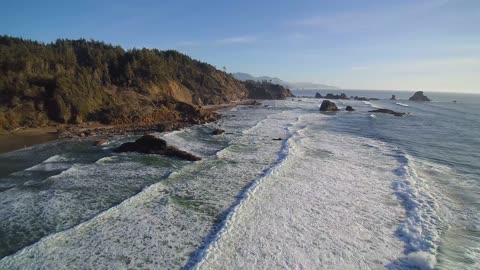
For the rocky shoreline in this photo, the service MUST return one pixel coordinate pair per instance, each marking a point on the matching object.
(132, 129)
(208, 114)
(101, 132)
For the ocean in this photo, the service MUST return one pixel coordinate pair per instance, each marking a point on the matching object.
(285, 187)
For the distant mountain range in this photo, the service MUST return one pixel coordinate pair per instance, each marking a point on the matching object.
(294, 85)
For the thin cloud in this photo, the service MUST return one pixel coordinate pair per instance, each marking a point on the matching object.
(237, 40)
(359, 68)
(435, 65)
(224, 41)
(369, 19)
(298, 36)
(420, 66)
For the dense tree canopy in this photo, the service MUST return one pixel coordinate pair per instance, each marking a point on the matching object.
(70, 81)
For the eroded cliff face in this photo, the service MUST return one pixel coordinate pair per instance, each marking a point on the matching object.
(266, 90)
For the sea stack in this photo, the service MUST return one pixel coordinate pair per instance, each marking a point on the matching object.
(318, 95)
(419, 96)
(149, 144)
(328, 106)
(393, 97)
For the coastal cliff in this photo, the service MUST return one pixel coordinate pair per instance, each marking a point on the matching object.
(266, 90)
(76, 81)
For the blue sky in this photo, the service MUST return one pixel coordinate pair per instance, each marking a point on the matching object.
(371, 44)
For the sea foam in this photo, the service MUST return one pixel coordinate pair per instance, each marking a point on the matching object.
(425, 221)
(302, 215)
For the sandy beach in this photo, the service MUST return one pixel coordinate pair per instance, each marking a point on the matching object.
(14, 140)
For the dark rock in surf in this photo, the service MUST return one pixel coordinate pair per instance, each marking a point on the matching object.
(349, 109)
(149, 144)
(318, 95)
(253, 103)
(277, 139)
(419, 96)
(100, 142)
(328, 106)
(393, 97)
(388, 111)
(218, 131)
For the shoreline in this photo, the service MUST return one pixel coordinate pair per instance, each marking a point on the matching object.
(26, 137)
(232, 104)
(23, 138)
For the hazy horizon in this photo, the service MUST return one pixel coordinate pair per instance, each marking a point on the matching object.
(392, 90)
(429, 45)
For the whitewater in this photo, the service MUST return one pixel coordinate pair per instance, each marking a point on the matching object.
(286, 187)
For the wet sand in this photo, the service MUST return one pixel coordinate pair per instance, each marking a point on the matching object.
(14, 140)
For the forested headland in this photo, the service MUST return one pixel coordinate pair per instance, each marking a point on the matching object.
(73, 81)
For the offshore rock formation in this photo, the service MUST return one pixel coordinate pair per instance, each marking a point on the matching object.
(149, 144)
(393, 97)
(419, 96)
(332, 96)
(388, 111)
(328, 106)
(349, 109)
(363, 98)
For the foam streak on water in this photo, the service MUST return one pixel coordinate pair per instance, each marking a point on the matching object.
(212, 240)
(302, 215)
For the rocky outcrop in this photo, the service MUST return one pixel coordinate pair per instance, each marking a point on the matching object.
(266, 90)
(419, 96)
(218, 132)
(100, 142)
(349, 109)
(332, 96)
(149, 144)
(363, 98)
(393, 97)
(328, 106)
(388, 111)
